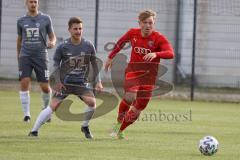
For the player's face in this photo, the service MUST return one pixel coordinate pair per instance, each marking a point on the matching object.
(147, 26)
(76, 31)
(32, 5)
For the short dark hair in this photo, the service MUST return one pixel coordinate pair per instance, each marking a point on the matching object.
(73, 20)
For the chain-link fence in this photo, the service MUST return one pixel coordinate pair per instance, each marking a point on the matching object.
(217, 35)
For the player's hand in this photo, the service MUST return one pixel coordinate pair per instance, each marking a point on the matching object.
(59, 86)
(108, 65)
(50, 45)
(99, 87)
(150, 56)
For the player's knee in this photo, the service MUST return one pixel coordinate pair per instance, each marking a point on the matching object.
(24, 84)
(54, 107)
(45, 90)
(90, 101)
(55, 104)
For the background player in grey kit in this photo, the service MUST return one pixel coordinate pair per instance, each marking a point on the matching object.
(33, 29)
(72, 61)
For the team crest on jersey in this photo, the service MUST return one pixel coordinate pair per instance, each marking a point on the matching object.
(32, 32)
(150, 43)
(134, 39)
(38, 25)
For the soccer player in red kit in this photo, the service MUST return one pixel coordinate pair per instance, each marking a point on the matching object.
(148, 47)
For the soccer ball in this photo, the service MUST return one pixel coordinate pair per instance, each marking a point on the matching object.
(208, 145)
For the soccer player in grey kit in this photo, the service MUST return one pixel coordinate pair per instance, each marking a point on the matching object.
(72, 61)
(33, 29)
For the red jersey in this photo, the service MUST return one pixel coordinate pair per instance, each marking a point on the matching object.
(141, 74)
(141, 46)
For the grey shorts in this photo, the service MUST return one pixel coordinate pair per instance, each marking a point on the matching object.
(39, 65)
(74, 90)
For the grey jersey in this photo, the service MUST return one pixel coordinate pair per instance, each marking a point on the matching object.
(73, 62)
(34, 31)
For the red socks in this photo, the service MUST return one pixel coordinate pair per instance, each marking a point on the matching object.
(123, 109)
(129, 118)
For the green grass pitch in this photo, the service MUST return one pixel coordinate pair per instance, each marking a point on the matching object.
(152, 137)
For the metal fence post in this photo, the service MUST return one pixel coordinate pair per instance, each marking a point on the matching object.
(96, 24)
(194, 50)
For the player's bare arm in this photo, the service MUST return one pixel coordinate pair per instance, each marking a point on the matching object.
(52, 40)
(57, 61)
(119, 45)
(19, 42)
(98, 87)
(108, 65)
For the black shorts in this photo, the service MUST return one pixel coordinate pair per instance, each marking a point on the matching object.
(39, 65)
(75, 90)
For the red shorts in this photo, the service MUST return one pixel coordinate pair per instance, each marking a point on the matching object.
(138, 83)
(141, 78)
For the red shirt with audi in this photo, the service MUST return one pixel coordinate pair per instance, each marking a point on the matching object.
(141, 46)
(154, 43)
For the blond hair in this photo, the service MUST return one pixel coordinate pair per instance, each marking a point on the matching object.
(146, 14)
